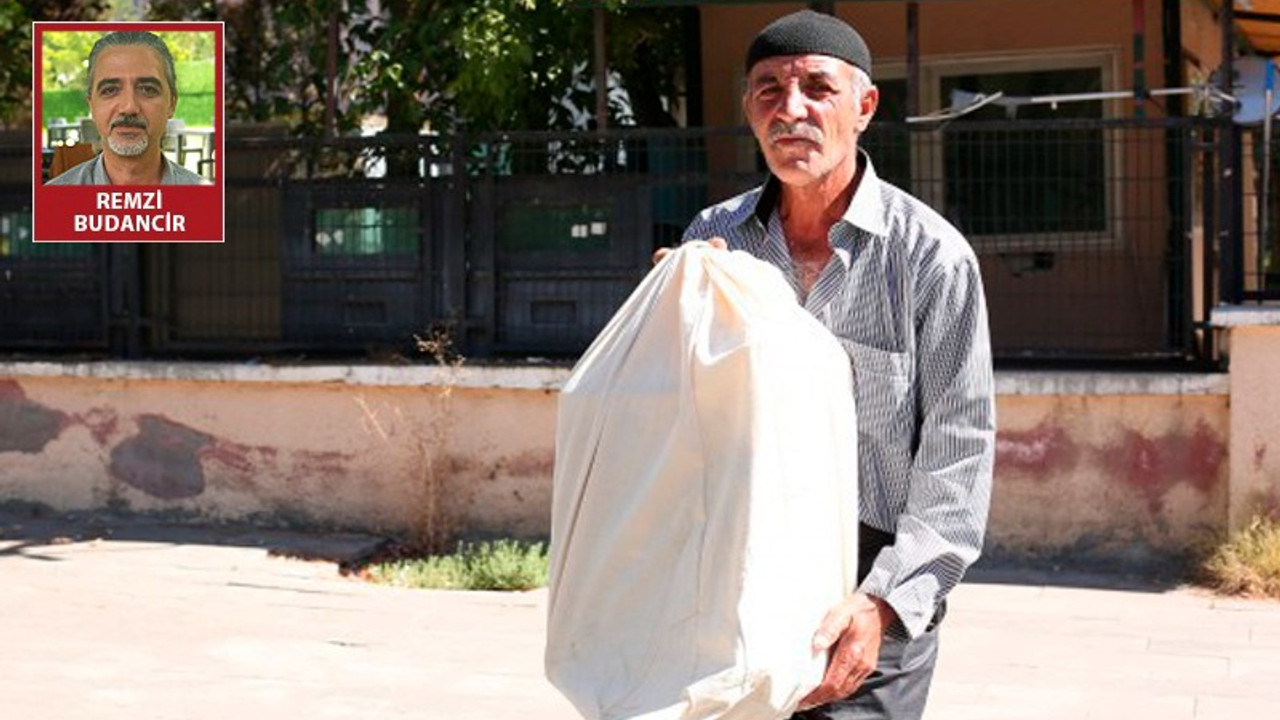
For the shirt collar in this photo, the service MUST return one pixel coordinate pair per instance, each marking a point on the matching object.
(98, 171)
(866, 209)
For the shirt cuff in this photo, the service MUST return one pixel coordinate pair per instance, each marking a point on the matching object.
(914, 601)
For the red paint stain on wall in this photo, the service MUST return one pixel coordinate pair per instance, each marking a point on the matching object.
(240, 465)
(1138, 461)
(1154, 465)
(238, 457)
(162, 460)
(1205, 454)
(1040, 452)
(102, 423)
(26, 426)
(325, 462)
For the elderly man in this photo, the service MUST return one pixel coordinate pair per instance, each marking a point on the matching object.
(132, 94)
(900, 288)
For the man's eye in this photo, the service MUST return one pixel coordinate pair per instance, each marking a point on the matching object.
(107, 91)
(150, 90)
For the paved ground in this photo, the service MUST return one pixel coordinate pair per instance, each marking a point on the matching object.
(111, 619)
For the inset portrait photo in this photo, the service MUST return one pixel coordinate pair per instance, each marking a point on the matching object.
(128, 136)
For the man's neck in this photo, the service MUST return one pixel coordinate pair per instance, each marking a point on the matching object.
(145, 169)
(808, 212)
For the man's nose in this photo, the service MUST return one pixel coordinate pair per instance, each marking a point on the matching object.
(129, 102)
(793, 106)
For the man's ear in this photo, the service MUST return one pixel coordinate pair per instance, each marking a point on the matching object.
(867, 105)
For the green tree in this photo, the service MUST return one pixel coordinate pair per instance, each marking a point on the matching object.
(443, 64)
(16, 51)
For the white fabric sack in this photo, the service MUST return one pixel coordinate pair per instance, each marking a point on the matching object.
(704, 511)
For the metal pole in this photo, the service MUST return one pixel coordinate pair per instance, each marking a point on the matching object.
(913, 59)
(1228, 235)
(1264, 204)
(1139, 58)
(1210, 280)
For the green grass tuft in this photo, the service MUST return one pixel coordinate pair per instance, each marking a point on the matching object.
(1248, 563)
(499, 565)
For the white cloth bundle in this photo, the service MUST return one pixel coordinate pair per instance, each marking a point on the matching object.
(704, 513)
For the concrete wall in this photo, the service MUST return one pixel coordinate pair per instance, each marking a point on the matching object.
(1253, 343)
(410, 450)
(1130, 467)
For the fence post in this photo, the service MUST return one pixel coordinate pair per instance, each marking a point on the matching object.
(1231, 209)
(453, 261)
(124, 293)
(482, 280)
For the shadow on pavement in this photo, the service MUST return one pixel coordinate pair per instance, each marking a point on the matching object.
(26, 528)
(1155, 575)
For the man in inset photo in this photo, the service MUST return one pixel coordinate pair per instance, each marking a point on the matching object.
(132, 94)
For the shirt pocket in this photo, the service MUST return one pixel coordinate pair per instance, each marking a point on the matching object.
(882, 390)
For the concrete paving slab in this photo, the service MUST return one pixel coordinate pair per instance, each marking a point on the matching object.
(111, 618)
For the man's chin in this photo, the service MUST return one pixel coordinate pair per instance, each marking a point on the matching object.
(796, 172)
(125, 149)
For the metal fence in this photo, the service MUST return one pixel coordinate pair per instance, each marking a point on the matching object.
(1257, 274)
(1090, 234)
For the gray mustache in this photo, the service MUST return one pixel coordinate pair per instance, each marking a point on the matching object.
(133, 121)
(801, 129)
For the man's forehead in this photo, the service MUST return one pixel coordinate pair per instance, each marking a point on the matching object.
(128, 61)
(803, 65)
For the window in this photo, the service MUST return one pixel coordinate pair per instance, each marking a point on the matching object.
(15, 239)
(554, 228)
(887, 139)
(15, 233)
(1010, 181)
(366, 230)
(1002, 174)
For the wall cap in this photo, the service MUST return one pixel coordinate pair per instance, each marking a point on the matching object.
(1244, 315)
(1110, 383)
(551, 378)
(486, 376)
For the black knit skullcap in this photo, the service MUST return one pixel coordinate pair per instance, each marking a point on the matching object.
(806, 32)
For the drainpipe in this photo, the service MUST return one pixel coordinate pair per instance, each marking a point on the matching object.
(1230, 241)
(1139, 58)
(913, 58)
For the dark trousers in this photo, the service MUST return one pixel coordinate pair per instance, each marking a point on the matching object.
(899, 686)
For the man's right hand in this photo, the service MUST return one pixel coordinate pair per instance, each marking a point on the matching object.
(718, 243)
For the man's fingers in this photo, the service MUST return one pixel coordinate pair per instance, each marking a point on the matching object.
(846, 670)
(717, 243)
(832, 627)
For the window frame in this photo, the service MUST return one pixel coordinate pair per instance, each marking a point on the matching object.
(928, 147)
(933, 152)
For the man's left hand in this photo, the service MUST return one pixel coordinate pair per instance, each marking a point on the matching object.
(855, 628)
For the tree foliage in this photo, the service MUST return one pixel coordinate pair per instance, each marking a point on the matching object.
(64, 60)
(16, 51)
(443, 64)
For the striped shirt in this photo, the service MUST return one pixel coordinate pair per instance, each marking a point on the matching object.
(903, 295)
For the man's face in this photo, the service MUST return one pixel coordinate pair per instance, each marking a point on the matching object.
(129, 99)
(806, 113)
